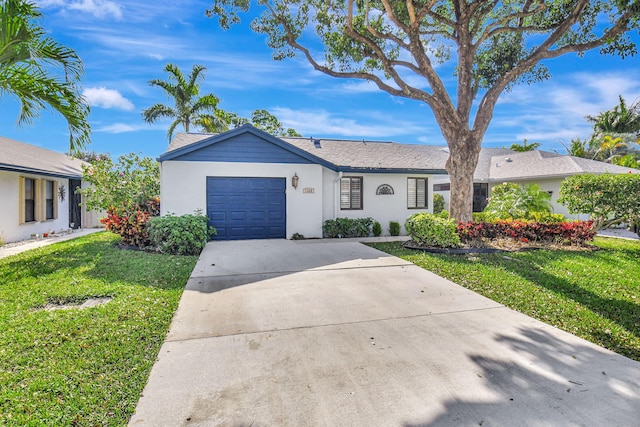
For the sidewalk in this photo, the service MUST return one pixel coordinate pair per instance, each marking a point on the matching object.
(19, 247)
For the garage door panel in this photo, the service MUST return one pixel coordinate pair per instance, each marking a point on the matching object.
(247, 208)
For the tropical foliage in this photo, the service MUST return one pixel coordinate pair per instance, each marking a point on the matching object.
(411, 48)
(525, 146)
(512, 201)
(29, 64)
(615, 138)
(190, 109)
(608, 199)
(125, 185)
(189, 106)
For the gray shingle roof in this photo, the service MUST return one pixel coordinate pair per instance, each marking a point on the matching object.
(494, 164)
(543, 164)
(27, 158)
(374, 154)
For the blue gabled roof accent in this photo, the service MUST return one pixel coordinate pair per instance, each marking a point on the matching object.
(188, 152)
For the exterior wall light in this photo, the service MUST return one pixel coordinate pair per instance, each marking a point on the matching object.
(294, 180)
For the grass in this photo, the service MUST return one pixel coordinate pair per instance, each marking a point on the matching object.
(594, 295)
(82, 367)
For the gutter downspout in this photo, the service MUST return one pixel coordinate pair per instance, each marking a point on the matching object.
(336, 202)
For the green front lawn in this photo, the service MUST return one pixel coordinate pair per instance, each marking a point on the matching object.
(82, 367)
(595, 295)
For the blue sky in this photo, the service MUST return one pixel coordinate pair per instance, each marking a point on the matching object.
(126, 43)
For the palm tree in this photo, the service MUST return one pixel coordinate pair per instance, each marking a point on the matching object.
(28, 58)
(525, 146)
(620, 119)
(189, 108)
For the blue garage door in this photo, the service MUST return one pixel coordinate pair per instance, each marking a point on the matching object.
(247, 208)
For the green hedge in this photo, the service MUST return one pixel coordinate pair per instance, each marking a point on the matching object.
(433, 230)
(347, 227)
(180, 235)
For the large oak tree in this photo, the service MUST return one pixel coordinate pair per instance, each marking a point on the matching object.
(494, 44)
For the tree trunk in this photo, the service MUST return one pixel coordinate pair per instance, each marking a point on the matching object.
(461, 165)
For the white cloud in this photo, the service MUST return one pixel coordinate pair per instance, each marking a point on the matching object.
(554, 112)
(107, 98)
(323, 123)
(122, 128)
(98, 8)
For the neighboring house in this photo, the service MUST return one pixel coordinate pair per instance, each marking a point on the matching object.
(254, 185)
(546, 169)
(37, 188)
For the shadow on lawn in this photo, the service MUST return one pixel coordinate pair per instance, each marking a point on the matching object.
(622, 312)
(97, 257)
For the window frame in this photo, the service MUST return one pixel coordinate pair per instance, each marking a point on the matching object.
(415, 195)
(25, 209)
(351, 180)
(52, 201)
(41, 208)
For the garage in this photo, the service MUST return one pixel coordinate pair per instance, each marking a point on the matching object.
(247, 208)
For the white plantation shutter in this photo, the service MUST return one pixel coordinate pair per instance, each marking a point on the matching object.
(411, 192)
(351, 193)
(345, 193)
(417, 193)
(421, 193)
(356, 194)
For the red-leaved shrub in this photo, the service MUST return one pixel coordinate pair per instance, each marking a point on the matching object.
(574, 232)
(131, 224)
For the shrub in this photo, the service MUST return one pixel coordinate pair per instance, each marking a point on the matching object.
(576, 232)
(394, 228)
(376, 229)
(131, 226)
(608, 198)
(438, 203)
(432, 230)
(347, 227)
(131, 223)
(180, 235)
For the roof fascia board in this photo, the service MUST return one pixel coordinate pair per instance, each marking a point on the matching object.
(349, 169)
(20, 169)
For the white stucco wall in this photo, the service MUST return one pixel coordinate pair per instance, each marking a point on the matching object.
(184, 189)
(10, 228)
(382, 208)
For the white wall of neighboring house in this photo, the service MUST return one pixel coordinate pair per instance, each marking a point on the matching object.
(11, 229)
(442, 179)
(184, 189)
(382, 208)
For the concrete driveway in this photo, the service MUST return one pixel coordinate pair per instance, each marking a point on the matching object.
(333, 333)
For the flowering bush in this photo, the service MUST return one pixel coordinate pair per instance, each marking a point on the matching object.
(124, 185)
(575, 232)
